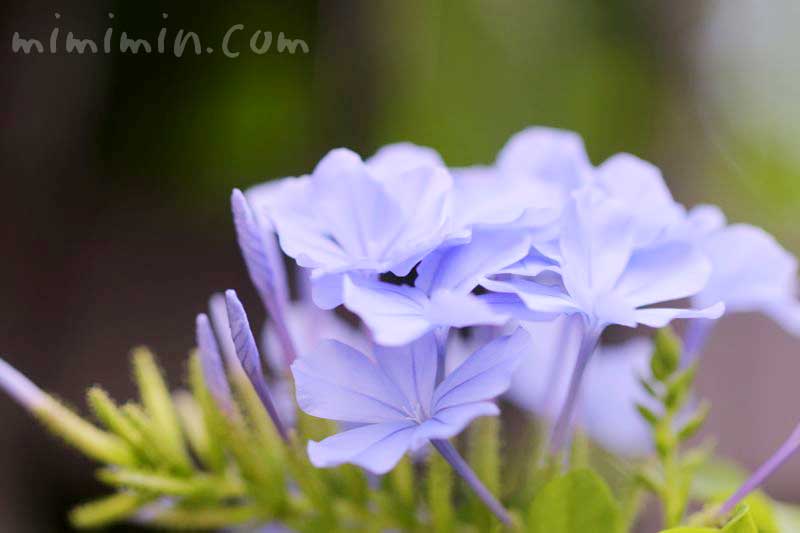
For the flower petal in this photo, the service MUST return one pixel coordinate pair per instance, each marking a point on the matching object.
(671, 271)
(556, 159)
(412, 368)
(658, 317)
(596, 244)
(451, 421)
(640, 186)
(374, 447)
(751, 272)
(337, 382)
(548, 299)
(395, 314)
(399, 158)
(485, 374)
(462, 268)
(453, 309)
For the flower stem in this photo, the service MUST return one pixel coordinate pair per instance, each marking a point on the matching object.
(772, 464)
(561, 430)
(461, 467)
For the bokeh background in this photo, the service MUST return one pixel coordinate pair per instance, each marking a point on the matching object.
(116, 169)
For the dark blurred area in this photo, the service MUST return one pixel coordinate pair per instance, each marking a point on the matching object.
(117, 168)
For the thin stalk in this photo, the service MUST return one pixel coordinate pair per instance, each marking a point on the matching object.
(772, 464)
(440, 334)
(561, 431)
(461, 467)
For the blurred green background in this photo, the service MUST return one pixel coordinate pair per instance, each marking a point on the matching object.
(117, 167)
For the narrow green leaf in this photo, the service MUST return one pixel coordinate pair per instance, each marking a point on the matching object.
(647, 414)
(679, 388)
(575, 503)
(198, 485)
(158, 405)
(86, 437)
(108, 510)
(648, 387)
(207, 518)
(693, 425)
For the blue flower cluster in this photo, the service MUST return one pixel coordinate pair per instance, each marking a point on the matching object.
(541, 242)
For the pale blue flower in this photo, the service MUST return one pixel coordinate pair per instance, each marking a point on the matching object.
(394, 395)
(604, 277)
(350, 216)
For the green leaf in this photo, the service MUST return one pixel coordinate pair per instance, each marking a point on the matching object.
(694, 424)
(648, 387)
(679, 387)
(197, 486)
(667, 355)
(107, 510)
(762, 510)
(647, 414)
(112, 417)
(575, 503)
(84, 436)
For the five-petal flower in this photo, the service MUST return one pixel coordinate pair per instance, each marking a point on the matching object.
(394, 395)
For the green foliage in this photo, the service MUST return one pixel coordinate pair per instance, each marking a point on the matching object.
(577, 502)
(669, 387)
(178, 462)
